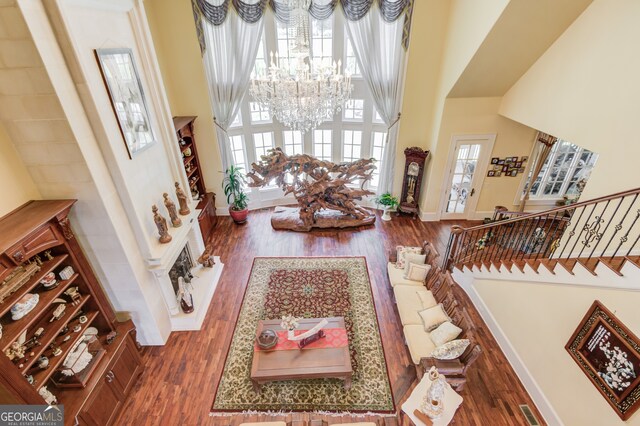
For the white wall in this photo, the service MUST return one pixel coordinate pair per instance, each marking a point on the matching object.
(585, 89)
(72, 147)
(538, 319)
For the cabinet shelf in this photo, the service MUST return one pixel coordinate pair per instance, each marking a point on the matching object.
(47, 266)
(193, 170)
(194, 183)
(50, 337)
(54, 362)
(13, 329)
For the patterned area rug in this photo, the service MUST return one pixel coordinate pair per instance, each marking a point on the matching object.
(310, 287)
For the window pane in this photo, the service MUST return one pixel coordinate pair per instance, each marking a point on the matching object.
(292, 142)
(354, 110)
(258, 114)
(351, 145)
(237, 149)
(351, 63)
(377, 150)
(262, 143)
(322, 41)
(565, 166)
(322, 144)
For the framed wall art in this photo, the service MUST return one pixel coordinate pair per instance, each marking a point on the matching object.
(609, 354)
(121, 78)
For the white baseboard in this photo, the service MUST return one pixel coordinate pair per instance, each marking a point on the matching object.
(542, 403)
(429, 217)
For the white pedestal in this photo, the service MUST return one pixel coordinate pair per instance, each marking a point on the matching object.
(451, 402)
(205, 281)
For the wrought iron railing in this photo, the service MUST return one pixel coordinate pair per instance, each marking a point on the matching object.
(605, 227)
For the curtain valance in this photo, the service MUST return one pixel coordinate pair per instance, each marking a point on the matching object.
(354, 10)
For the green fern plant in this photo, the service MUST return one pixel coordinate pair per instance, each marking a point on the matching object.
(387, 200)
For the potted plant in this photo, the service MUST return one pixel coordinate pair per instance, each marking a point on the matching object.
(389, 202)
(233, 186)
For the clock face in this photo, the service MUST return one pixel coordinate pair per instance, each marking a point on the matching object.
(414, 169)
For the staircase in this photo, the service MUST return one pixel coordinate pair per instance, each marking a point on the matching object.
(571, 244)
(532, 276)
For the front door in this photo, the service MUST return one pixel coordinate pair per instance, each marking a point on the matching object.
(468, 161)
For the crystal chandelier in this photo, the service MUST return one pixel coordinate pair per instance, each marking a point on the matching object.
(303, 97)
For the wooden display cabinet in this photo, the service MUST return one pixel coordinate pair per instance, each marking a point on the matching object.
(207, 200)
(39, 233)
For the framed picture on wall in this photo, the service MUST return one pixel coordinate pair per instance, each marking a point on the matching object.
(495, 160)
(121, 78)
(609, 354)
(491, 173)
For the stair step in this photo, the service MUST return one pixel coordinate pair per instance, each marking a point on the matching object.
(533, 264)
(635, 260)
(589, 264)
(496, 265)
(520, 265)
(568, 264)
(507, 264)
(549, 264)
(614, 264)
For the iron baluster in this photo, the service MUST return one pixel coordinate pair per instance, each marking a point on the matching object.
(573, 231)
(604, 232)
(625, 237)
(618, 226)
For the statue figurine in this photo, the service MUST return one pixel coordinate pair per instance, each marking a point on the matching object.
(182, 199)
(206, 259)
(161, 223)
(173, 214)
(184, 295)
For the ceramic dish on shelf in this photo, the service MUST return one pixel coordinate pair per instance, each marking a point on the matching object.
(49, 281)
(24, 306)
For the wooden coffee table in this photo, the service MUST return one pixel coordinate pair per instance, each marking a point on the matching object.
(316, 363)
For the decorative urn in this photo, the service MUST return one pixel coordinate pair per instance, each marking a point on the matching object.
(267, 339)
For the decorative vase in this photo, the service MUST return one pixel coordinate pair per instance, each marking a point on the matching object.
(387, 214)
(433, 401)
(239, 216)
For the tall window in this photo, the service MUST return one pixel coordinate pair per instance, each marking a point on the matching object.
(237, 149)
(322, 41)
(322, 144)
(262, 143)
(292, 142)
(259, 114)
(379, 139)
(566, 164)
(351, 63)
(286, 41)
(351, 145)
(260, 67)
(351, 134)
(354, 110)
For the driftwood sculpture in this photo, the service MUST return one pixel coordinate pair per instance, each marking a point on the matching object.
(326, 192)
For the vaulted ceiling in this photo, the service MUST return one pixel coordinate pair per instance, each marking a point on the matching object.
(523, 32)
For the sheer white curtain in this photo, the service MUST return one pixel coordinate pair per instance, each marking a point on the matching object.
(228, 60)
(378, 48)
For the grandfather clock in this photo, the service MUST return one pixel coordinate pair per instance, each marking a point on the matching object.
(413, 170)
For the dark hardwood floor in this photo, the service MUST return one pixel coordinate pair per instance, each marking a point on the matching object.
(178, 384)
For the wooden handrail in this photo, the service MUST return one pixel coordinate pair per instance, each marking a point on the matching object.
(540, 235)
(552, 211)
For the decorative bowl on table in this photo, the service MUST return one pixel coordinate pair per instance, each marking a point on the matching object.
(24, 306)
(267, 339)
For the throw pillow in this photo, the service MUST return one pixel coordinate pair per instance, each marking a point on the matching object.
(417, 271)
(433, 317)
(451, 350)
(426, 299)
(445, 333)
(410, 258)
(401, 251)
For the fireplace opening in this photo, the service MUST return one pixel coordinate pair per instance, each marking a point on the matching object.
(181, 268)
